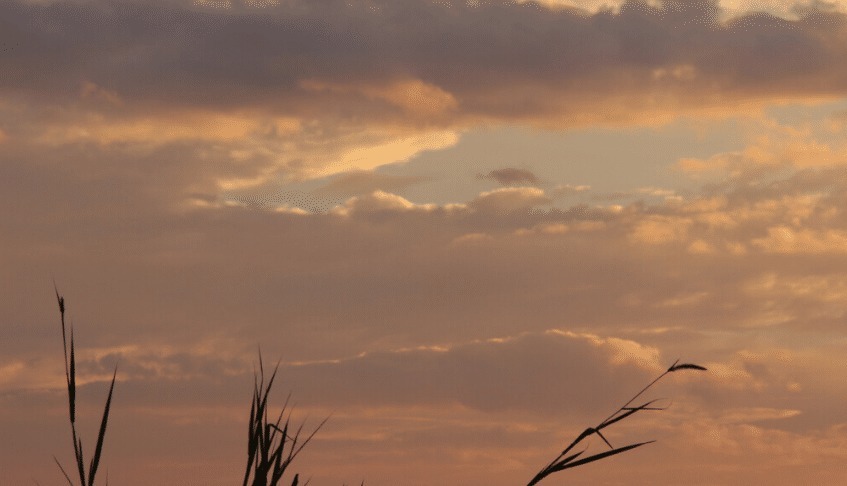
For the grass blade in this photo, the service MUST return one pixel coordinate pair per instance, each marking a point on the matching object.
(550, 469)
(270, 447)
(79, 459)
(63, 471)
(602, 455)
(95, 461)
(72, 381)
(562, 462)
(68, 349)
(628, 411)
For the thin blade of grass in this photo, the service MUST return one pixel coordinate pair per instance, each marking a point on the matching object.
(72, 381)
(251, 442)
(279, 465)
(292, 449)
(265, 444)
(551, 468)
(621, 413)
(597, 457)
(63, 471)
(72, 406)
(629, 411)
(672, 366)
(585, 433)
(604, 438)
(79, 458)
(570, 458)
(309, 438)
(61, 301)
(261, 365)
(274, 427)
(95, 461)
(59, 298)
(639, 394)
(267, 390)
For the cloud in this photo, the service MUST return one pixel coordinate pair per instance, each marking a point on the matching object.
(778, 148)
(362, 182)
(398, 150)
(280, 200)
(661, 229)
(149, 155)
(511, 176)
(125, 207)
(783, 239)
(817, 288)
(564, 190)
(431, 66)
(402, 316)
(509, 199)
(378, 201)
(495, 374)
(413, 96)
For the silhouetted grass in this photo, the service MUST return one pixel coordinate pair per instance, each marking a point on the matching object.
(270, 448)
(564, 461)
(70, 377)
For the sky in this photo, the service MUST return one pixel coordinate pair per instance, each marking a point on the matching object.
(467, 230)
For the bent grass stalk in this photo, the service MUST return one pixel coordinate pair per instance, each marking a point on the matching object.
(70, 378)
(564, 461)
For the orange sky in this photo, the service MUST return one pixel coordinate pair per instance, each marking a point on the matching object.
(468, 230)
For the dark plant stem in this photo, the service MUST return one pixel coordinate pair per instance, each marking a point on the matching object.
(564, 461)
(70, 377)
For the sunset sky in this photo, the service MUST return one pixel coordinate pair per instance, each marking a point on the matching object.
(468, 229)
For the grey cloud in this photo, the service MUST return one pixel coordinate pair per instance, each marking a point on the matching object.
(536, 373)
(109, 221)
(323, 274)
(511, 176)
(509, 374)
(326, 286)
(498, 60)
(272, 275)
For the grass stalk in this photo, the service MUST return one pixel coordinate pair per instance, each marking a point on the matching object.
(273, 445)
(566, 459)
(70, 377)
(270, 447)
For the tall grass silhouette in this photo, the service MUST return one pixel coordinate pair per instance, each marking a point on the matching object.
(267, 442)
(565, 461)
(272, 446)
(70, 378)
